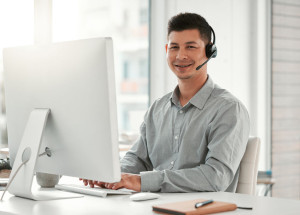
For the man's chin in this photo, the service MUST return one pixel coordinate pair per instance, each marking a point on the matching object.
(183, 74)
(184, 77)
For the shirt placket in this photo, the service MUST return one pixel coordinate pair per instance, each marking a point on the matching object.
(177, 127)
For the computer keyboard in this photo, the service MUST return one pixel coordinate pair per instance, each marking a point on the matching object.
(96, 191)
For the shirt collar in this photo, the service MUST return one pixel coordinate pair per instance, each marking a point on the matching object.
(200, 98)
(174, 97)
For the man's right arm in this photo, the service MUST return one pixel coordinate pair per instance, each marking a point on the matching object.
(136, 159)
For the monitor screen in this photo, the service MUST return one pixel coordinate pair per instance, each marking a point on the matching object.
(75, 80)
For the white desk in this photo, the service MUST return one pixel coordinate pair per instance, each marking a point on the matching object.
(121, 204)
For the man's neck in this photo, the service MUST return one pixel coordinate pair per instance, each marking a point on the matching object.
(189, 87)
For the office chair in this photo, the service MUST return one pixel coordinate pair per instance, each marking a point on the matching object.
(249, 167)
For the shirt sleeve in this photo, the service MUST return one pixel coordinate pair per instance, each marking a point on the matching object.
(136, 159)
(227, 136)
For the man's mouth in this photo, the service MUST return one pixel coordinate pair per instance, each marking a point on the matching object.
(183, 66)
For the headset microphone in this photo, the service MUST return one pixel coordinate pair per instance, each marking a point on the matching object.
(210, 49)
(199, 67)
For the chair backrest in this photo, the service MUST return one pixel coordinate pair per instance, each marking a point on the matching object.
(249, 167)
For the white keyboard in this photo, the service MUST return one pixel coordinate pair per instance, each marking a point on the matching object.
(96, 191)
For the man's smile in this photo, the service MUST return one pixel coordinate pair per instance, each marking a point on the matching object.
(182, 66)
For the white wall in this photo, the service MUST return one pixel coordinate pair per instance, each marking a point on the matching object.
(242, 64)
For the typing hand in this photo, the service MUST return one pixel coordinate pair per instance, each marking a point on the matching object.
(129, 181)
(92, 183)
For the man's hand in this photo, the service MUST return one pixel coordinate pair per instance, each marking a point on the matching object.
(129, 181)
(91, 182)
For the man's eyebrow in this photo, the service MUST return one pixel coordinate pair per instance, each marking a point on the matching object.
(191, 42)
(188, 43)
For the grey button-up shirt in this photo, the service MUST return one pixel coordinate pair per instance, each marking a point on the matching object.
(197, 147)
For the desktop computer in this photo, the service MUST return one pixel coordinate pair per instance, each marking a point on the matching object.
(61, 112)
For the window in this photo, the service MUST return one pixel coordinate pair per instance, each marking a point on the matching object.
(143, 16)
(16, 22)
(127, 23)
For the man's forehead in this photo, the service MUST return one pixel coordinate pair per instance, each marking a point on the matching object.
(185, 36)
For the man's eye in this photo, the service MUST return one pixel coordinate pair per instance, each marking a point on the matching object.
(191, 47)
(174, 47)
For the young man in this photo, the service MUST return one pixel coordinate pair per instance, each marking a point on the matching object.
(193, 138)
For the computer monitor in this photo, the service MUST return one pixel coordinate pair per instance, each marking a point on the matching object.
(75, 81)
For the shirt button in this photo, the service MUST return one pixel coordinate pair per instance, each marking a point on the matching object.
(176, 137)
(181, 111)
(172, 162)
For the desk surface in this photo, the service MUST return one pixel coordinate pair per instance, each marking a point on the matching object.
(121, 204)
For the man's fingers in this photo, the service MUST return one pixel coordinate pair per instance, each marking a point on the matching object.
(117, 186)
(91, 183)
(114, 186)
(109, 185)
(85, 181)
(99, 183)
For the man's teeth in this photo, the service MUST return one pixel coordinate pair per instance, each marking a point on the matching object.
(183, 66)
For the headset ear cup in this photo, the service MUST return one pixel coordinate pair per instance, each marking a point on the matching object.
(214, 51)
(208, 50)
(211, 50)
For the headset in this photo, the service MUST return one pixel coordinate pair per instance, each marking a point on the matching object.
(210, 49)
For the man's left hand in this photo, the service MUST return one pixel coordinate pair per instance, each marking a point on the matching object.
(129, 181)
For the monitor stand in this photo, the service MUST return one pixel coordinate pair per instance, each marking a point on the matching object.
(21, 184)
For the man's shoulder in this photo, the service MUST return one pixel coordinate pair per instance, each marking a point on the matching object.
(163, 100)
(221, 95)
(158, 106)
(222, 101)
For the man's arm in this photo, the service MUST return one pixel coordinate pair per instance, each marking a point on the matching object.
(136, 159)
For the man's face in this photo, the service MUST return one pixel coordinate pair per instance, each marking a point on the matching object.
(185, 51)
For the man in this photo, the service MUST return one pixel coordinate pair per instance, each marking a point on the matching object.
(193, 138)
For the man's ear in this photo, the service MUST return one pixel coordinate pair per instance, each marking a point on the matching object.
(166, 47)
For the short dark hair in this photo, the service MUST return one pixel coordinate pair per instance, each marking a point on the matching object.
(187, 21)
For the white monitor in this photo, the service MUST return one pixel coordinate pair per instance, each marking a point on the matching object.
(75, 81)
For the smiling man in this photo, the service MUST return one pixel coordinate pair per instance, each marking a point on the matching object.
(193, 138)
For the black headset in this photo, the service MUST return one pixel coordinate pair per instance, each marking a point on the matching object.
(210, 49)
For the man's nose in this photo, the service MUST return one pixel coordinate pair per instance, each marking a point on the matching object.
(181, 54)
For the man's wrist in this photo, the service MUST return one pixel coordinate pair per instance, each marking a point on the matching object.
(151, 181)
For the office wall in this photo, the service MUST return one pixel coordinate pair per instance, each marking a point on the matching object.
(242, 64)
(286, 98)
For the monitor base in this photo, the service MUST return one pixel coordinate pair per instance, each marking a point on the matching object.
(52, 194)
(23, 171)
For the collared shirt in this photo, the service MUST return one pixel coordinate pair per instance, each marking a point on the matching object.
(197, 147)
